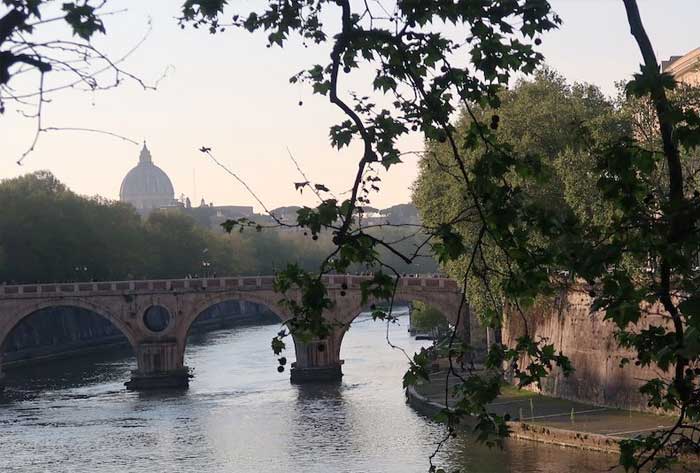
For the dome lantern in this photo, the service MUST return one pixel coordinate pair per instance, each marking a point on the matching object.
(145, 156)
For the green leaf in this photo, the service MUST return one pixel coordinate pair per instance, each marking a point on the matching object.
(83, 19)
(690, 307)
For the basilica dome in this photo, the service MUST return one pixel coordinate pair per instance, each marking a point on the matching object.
(146, 186)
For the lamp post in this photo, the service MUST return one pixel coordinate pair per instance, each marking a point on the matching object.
(80, 270)
(205, 264)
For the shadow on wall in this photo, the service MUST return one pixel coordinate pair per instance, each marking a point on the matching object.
(232, 313)
(57, 332)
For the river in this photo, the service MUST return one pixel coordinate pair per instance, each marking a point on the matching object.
(241, 415)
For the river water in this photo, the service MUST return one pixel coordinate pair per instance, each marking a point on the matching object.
(241, 415)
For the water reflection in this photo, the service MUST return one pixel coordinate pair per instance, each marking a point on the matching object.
(525, 456)
(105, 368)
(240, 415)
(320, 422)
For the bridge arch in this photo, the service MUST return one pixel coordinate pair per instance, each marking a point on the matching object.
(198, 307)
(349, 307)
(266, 300)
(24, 311)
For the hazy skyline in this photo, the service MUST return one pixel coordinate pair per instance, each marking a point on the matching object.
(231, 93)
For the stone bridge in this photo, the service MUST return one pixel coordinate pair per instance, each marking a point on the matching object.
(156, 316)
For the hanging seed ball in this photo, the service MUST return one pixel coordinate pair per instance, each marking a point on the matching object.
(280, 369)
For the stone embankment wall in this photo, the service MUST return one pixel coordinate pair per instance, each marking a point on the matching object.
(63, 331)
(524, 430)
(589, 341)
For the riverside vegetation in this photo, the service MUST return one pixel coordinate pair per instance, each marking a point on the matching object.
(634, 243)
(49, 233)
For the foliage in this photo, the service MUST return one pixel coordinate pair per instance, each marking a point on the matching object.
(48, 233)
(425, 318)
(420, 78)
(596, 205)
(543, 117)
(22, 17)
(623, 220)
(629, 232)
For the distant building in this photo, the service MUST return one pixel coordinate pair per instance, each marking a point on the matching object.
(146, 186)
(685, 68)
(401, 214)
(212, 216)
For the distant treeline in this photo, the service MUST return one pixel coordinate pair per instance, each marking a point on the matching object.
(49, 233)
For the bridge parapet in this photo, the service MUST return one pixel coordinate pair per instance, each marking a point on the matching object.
(354, 282)
(82, 289)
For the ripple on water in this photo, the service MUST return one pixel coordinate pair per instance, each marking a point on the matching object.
(240, 415)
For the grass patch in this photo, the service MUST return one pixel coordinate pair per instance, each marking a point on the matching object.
(513, 391)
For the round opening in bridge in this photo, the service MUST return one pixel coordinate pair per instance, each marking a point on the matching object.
(156, 318)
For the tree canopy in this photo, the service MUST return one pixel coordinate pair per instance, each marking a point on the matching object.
(48, 233)
(632, 239)
(546, 117)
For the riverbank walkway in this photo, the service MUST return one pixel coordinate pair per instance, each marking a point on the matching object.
(550, 420)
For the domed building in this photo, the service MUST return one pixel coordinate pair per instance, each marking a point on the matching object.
(146, 186)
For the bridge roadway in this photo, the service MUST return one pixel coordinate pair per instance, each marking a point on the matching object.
(156, 316)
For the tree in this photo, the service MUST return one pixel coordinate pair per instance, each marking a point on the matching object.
(545, 117)
(420, 82)
(425, 318)
(48, 233)
(51, 234)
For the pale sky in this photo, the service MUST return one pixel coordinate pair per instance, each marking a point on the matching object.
(231, 93)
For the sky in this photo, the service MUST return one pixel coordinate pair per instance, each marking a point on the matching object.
(231, 93)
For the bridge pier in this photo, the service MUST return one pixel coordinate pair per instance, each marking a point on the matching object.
(160, 366)
(318, 360)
